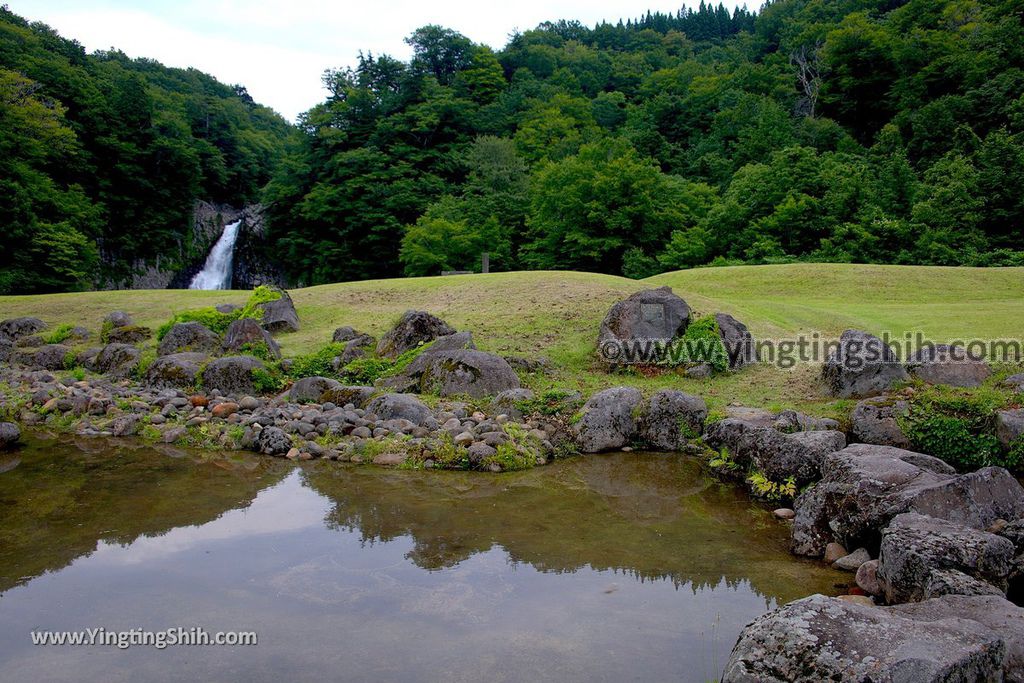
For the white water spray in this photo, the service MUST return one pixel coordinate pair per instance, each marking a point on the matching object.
(216, 272)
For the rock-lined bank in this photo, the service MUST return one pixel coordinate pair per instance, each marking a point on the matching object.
(925, 545)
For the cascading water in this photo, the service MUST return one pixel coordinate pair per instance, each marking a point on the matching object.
(216, 272)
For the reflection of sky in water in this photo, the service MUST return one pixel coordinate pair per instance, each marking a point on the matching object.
(330, 606)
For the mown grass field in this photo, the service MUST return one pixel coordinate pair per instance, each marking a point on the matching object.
(557, 314)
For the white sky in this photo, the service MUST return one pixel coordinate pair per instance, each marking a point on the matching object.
(278, 50)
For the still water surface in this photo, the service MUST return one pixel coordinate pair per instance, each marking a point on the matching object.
(615, 567)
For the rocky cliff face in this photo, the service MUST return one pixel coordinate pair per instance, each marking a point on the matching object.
(251, 266)
(208, 221)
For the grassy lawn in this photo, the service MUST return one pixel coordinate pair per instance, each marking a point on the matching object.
(557, 314)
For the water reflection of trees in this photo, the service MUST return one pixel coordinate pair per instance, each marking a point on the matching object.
(68, 494)
(651, 517)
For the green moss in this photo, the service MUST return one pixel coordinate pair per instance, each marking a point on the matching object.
(60, 334)
(316, 364)
(365, 370)
(550, 402)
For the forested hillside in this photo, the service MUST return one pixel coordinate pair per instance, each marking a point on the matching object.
(834, 130)
(102, 157)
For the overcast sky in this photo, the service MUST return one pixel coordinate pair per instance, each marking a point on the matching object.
(278, 49)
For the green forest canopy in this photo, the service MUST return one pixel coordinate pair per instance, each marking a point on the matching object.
(880, 131)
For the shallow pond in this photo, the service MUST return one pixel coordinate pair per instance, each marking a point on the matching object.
(614, 567)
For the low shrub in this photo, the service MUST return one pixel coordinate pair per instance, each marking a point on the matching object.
(316, 364)
(365, 370)
(701, 343)
(60, 334)
(550, 402)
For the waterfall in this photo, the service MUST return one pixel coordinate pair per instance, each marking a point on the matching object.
(216, 272)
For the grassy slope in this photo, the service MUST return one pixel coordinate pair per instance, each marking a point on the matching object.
(557, 314)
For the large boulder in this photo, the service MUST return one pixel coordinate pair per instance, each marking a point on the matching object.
(399, 407)
(117, 319)
(310, 389)
(10, 434)
(460, 341)
(876, 421)
(863, 487)
(826, 639)
(177, 370)
(413, 329)
(190, 336)
(129, 334)
(994, 612)
(16, 328)
(1009, 425)
(863, 365)
(778, 455)
(342, 395)
(114, 360)
(609, 420)
(918, 555)
(280, 315)
(232, 375)
(648, 315)
(467, 372)
(945, 364)
(245, 334)
(740, 346)
(671, 419)
(51, 357)
(6, 349)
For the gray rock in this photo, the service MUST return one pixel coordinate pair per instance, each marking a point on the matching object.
(16, 328)
(954, 582)
(190, 336)
(1009, 425)
(399, 406)
(853, 561)
(451, 342)
(344, 334)
(129, 334)
(826, 639)
(478, 452)
(343, 395)
(864, 487)
(609, 420)
(752, 417)
(227, 308)
(867, 578)
(52, 357)
(470, 373)
(115, 360)
(862, 366)
(740, 346)
(876, 421)
(126, 425)
(310, 389)
(951, 365)
(651, 314)
(177, 370)
(117, 319)
(994, 612)
(791, 421)
(280, 315)
(354, 348)
(246, 332)
(914, 546)
(507, 402)
(231, 375)
(1015, 382)
(671, 419)
(412, 330)
(821, 442)
(699, 371)
(10, 434)
(273, 441)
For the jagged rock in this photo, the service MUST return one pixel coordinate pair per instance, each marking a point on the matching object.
(115, 360)
(478, 452)
(231, 375)
(1015, 382)
(10, 434)
(79, 333)
(117, 319)
(914, 546)
(945, 364)
(820, 442)
(51, 357)
(994, 612)
(791, 421)
(508, 402)
(1009, 425)
(862, 366)
(399, 407)
(177, 370)
(344, 334)
(671, 419)
(280, 315)
(651, 314)
(273, 441)
(876, 421)
(343, 395)
(126, 425)
(191, 336)
(16, 328)
(246, 332)
(470, 373)
(413, 329)
(775, 454)
(863, 487)
(953, 582)
(826, 639)
(128, 334)
(6, 350)
(739, 343)
(310, 389)
(609, 420)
